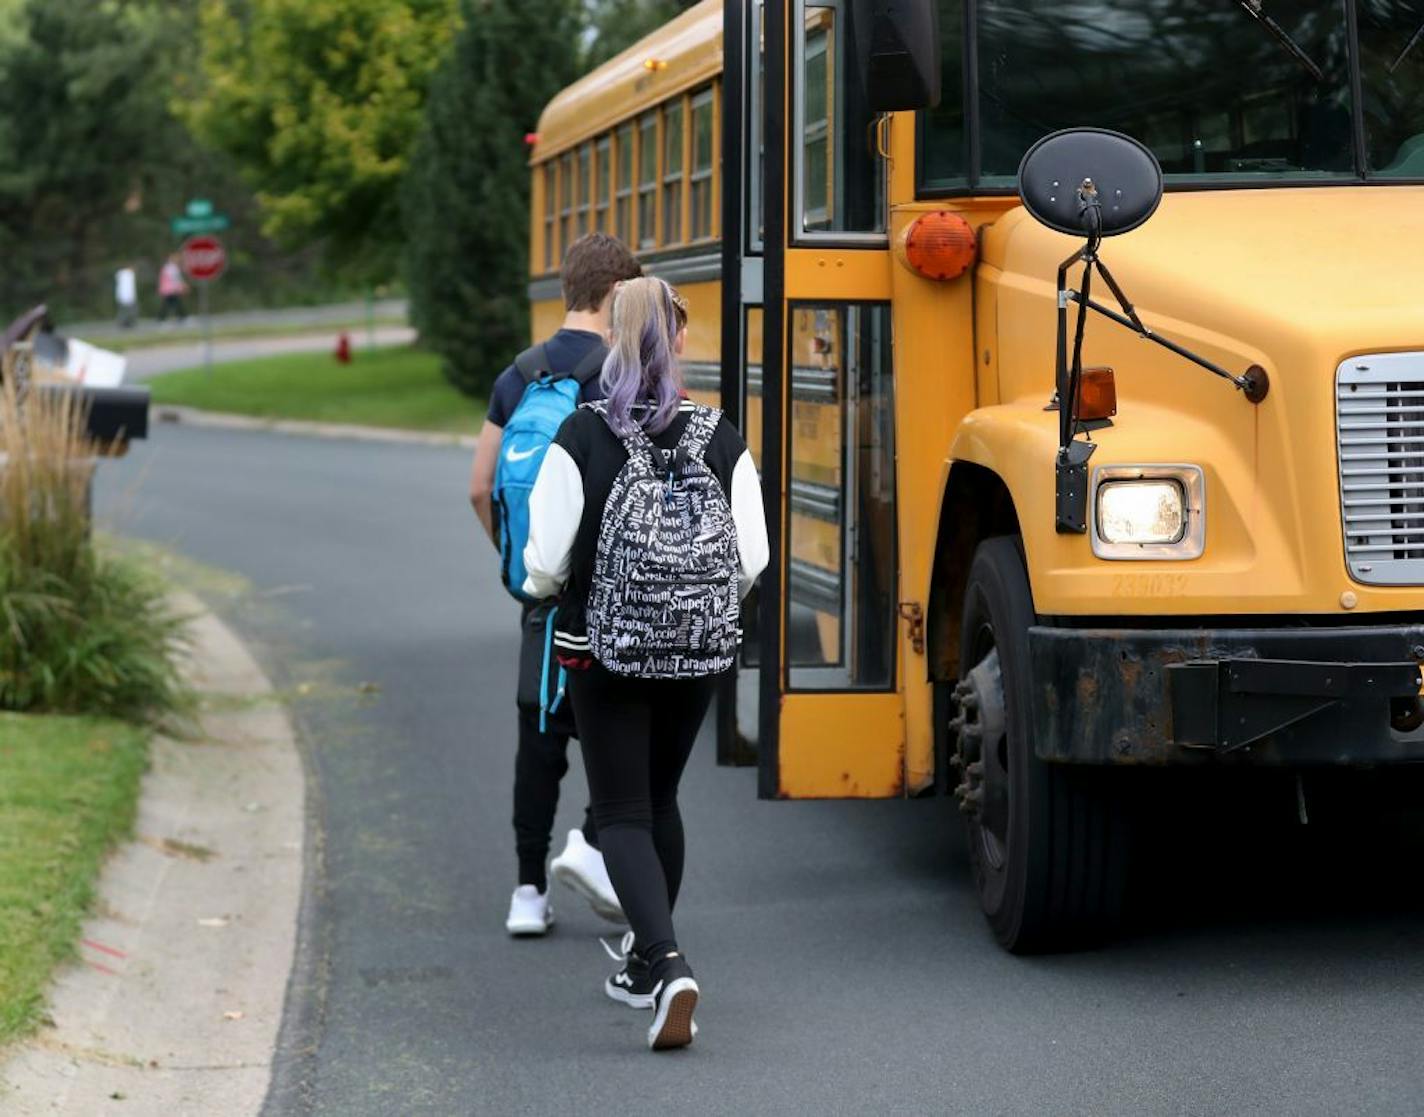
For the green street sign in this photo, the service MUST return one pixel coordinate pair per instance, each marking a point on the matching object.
(211, 223)
(199, 207)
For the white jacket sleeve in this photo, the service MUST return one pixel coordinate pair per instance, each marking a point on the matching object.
(555, 509)
(749, 515)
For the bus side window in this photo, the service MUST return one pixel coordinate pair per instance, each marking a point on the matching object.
(585, 181)
(648, 180)
(672, 171)
(623, 206)
(551, 182)
(601, 191)
(568, 199)
(702, 200)
(839, 180)
(840, 632)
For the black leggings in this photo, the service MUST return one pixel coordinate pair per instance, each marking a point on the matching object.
(636, 736)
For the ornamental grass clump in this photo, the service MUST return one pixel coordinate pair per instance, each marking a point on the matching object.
(80, 631)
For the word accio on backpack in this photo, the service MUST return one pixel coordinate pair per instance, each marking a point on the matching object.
(664, 602)
(549, 398)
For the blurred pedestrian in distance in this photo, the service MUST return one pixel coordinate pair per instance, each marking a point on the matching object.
(171, 289)
(591, 267)
(126, 296)
(647, 523)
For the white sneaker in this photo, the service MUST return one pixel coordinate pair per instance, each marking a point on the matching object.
(530, 912)
(581, 868)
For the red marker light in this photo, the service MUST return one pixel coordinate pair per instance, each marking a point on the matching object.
(531, 138)
(940, 245)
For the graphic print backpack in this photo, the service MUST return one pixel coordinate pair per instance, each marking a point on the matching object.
(664, 603)
(549, 398)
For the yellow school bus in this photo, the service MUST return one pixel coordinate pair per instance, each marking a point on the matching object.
(1000, 572)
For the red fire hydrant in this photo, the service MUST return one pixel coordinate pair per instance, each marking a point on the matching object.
(343, 349)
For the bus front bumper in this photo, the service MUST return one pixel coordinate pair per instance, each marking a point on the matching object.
(1273, 696)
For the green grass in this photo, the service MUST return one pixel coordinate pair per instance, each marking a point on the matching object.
(68, 792)
(400, 387)
(187, 335)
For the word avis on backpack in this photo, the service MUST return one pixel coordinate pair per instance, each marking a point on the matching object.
(549, 398)
(664, 601)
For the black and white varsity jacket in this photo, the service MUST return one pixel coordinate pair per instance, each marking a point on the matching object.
(566, 511)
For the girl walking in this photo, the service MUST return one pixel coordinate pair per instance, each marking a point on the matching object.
(647, 516)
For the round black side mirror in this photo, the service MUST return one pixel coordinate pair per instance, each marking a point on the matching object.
(1064, 176)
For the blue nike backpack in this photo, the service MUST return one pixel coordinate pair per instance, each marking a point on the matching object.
(549, 398)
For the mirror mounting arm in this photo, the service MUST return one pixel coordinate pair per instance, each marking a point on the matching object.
(1253, 383)
(1121, 189)
(1072, 462)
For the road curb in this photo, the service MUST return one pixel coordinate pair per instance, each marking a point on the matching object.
(175, 1003)
(194, 417)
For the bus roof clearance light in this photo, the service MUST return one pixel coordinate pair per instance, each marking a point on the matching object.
(1094, 183)
(1143, 513)
(940, 245)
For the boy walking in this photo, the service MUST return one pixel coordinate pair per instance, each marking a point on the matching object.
(592, 266)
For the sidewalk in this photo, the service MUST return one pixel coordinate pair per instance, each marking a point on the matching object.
(287, 318)
(175, 1004)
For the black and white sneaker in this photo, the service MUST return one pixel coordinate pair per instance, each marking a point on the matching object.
(633, 983)
(674, 1000)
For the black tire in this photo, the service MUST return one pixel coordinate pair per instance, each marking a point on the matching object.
(1050, 865)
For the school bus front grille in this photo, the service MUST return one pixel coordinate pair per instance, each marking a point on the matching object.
(1380, 431)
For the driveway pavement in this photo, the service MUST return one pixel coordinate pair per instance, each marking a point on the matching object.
(845, 967)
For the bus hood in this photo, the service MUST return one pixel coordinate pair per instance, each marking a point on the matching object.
(1295, 280)
(1255, 274)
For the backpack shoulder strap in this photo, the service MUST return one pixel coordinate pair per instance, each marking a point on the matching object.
(701, 426)
(533, 363)
(639, 446)
(591, 364)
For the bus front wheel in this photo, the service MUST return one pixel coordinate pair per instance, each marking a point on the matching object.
(1047, 843)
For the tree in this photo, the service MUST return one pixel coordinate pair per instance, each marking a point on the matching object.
(466, 200)
(319, 102)
(81, 109)
(615, 25)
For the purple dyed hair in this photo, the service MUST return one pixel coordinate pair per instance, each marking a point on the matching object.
(640, 372)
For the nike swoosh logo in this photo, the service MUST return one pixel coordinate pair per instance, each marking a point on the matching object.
(518, 456)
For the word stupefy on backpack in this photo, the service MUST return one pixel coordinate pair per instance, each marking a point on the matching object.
(549, 398)
(664, 602)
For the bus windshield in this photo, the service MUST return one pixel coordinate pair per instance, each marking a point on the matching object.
(1221, 90)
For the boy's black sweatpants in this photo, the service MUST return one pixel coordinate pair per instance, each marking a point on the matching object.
(542, 758)
(636, 736)
(539, 765)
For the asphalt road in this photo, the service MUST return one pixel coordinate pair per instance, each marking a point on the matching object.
(1271, 969)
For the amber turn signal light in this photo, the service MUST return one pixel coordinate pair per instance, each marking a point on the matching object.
(940, 245)
(1097, 394)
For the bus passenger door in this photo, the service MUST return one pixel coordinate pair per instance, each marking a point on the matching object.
(830, 711)
(743, 251)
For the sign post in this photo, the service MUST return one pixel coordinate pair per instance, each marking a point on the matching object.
(204, 259)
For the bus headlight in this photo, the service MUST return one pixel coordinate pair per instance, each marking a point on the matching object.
(1148, 512)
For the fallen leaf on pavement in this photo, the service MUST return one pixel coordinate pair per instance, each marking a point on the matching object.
(214, 921)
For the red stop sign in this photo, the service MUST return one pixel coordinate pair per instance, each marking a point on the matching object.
(203, 258)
